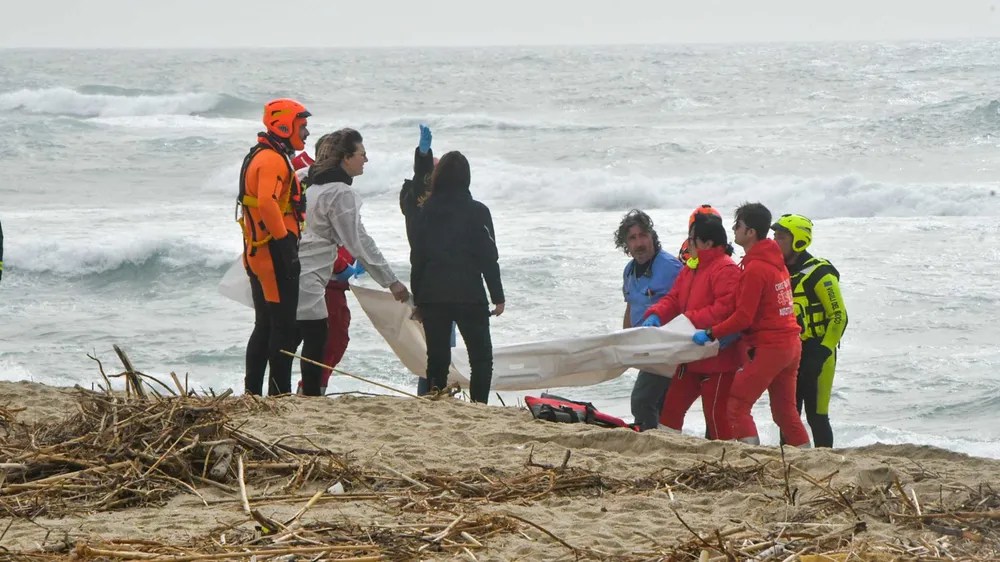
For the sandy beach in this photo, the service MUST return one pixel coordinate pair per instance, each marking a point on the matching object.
(447, 479)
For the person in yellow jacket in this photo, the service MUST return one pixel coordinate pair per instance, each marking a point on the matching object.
(271, 205)
(822, 317)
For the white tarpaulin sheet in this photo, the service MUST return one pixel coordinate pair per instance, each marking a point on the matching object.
(235, 284)
(573, 361)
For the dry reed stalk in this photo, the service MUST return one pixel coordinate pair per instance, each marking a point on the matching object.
(345, 373)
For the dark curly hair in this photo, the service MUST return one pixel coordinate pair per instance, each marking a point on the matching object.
(635, 217)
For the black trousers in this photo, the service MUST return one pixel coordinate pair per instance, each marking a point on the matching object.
(274, 329)
(474, 324)
(813, 388)
(312, 335)
(647, 399)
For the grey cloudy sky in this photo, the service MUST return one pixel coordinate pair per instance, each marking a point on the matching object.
(377, 23)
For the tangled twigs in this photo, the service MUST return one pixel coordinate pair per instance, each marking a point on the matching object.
(718, 475)
(119, 452)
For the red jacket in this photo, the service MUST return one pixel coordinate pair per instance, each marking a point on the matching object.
(764, 306)
(344, 259)
(705, 295)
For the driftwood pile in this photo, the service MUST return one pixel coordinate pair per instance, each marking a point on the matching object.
(154, 442)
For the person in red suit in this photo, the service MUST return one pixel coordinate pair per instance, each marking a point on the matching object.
(765, 315)
(705, 292)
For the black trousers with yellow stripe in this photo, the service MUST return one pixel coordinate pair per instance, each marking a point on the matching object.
(813, 390)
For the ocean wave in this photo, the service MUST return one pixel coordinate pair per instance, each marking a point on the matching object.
(959, 117)
(133, 257)
(987, 113)
(506, 183)
(109, 101)
(481, 122)
(105, 89)
(981, 403)
(182, 145)
(818, 197)
(175, 122)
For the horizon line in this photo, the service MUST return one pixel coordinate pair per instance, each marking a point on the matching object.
(497, 45)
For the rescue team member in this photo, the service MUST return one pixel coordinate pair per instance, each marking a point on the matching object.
(684, 254)
(453, 252)
(822, 319)
(705, 293)
(647, 278)
(338, 314)
(411, 199)
(765, 313)
(270, 199)
(333, 221)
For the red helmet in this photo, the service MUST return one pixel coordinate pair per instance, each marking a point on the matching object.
(705, 209)
(303, 160)
(684, 254)
(284, 118)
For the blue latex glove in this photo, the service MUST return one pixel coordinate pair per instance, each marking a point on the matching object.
(359, 269)
(425, 139)
(700, 337)
(728, 340)
(346, 274)
(652, 321)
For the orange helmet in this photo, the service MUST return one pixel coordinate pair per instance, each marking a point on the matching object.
(703, 209)
(685, 252)
(284, 118)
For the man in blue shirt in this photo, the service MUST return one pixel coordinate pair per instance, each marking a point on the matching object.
(647, 277)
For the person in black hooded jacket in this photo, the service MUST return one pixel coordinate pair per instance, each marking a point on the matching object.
(415, 191)
(452, 252)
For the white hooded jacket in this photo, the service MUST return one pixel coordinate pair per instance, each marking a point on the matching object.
(333, 219)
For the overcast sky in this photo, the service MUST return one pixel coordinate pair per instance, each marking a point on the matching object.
(378, 23)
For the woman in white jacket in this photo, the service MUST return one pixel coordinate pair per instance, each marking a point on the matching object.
(333, 219)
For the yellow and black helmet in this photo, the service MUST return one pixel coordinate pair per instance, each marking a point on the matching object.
(799, 227)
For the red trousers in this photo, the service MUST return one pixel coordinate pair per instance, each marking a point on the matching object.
(774, 369)
(338, 323)
(714, 391)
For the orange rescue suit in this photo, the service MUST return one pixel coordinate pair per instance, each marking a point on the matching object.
(270, 195)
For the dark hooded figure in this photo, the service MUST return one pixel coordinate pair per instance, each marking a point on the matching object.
(453, 251)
